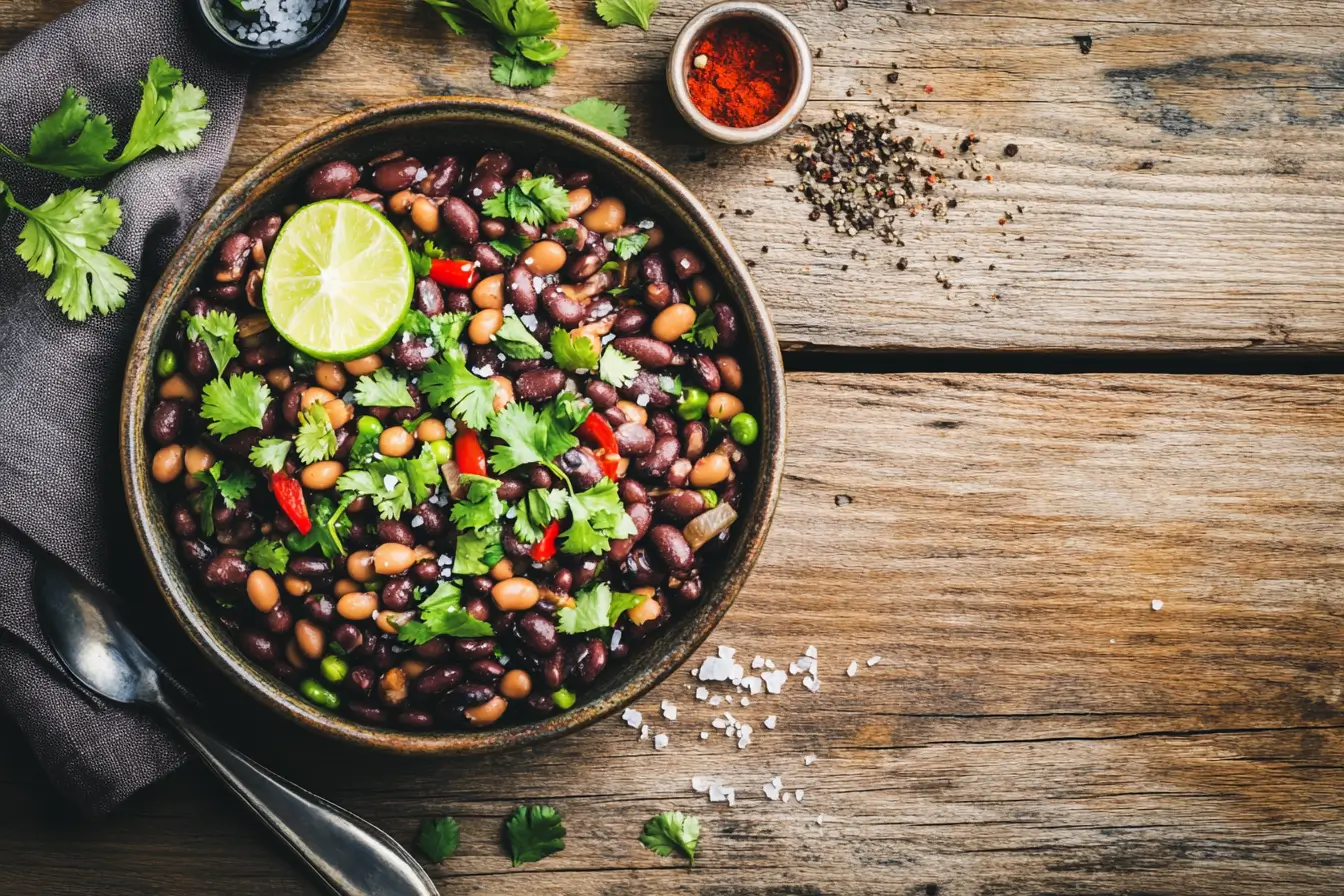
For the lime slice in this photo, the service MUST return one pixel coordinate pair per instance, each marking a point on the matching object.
(338, 280)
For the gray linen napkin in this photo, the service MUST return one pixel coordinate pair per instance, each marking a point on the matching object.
(61, 382)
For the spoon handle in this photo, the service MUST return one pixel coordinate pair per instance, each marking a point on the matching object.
(352, 857)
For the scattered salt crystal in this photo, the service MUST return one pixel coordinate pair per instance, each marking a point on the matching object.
(529, 320)
(807, 664)
(770, 722)
(699, 784)
(390, 482)
(445, 560)
(812, 684)
(642, 400)
(853, 668)
(643, 732)
(701, 693)
(632, 717)
(417, 521)
(757, 663)
(798, 794)
(774, 680)
(810, 652)
(819, 819)
(1157, 604)
(538, 284)
(704, 735)
(727, 653)
(809, 759)
(771, 790)
(794, 668)
(874, 660)
(659, 741)
(769, 663)
(615, 638)
(719, 723)
(752, 683)
(669, 710)
(715, 700)
(746, 701)
(785, 796)
(715, 669)
(728, 699)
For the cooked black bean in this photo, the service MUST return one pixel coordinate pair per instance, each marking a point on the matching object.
(662, 424)
(437, 680)
(539, 385)
(279, 620)
(487, 671)
(470, 694)
(495, 162)
(656, 463)
(537, 632)
(489, 259)
(397, 531)
(331, 181)
(632, 492)
(645, 384)
(615, 417)
(265, 229)
(165, 422)
(348, 636)
(511, 489)
(258, 646)
(442, 178)
(413, 352)
(309, 567)
(459, 301)
(634, 439)
(630, 321)
(539, 704)
(198, 361)
(702, 371)
(682, 505)
(373, 200)
(195, 551)
(484, 360)
(390, 177)
(563, 310)
(461, 220)
(552, 668)
(369, 715)
(725, 321)
(654, 268)
(183, 521)
(428, 297)
(642, 569)
(482, 186)
(362, 678)
(562, 580)
(582, 468)
(686, 264)
(433, 520)
(642, 516)
(494, 228)
(590, 659)
(672, 547)
(397, 593)
(225, 570)
(319, 608)
(473, 648)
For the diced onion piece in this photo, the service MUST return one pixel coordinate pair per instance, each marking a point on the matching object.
(452, 479)
(707, 526)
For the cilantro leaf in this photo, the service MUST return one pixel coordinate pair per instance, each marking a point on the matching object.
(316, 439)
(446, 329)
(423, 261)
(441, 614)
(214, 484)
(669, 831)
(531, 18)
(449, 11)
(394, 484)
(362, 449)
(536, 200)
(75, 144)
(519, 72)
(447, 379)
(330, 527)
(514, 340)
(601, 114)
(270, 454)
(481, 506)
(511, 245)
(629, 246)
(415, 322)
(217, 330)
(529, 436)
(670, 384)
(598, 517)
(536, 511)
(422, 473)
(268, 554)
(537, 49)
(383, 390)
(235, 405)
(704, 333)
(477, 552)
(438, 838)
(63, 239)
(575, 355)
(617, 369)
(534, 833)
(595, 607)
(626, 12)
(568, 410)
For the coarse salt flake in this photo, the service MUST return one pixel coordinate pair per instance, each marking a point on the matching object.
(643, 732)
(702, 693)
(798, 794)
(874, 660)
(699, 784)
(1157, 604)
(774, 680)
(669, 710)
(757, 663)
(809, 759)
(390, 481)
(632, 717)
(727, 653)
(770, 722)
(659, 741)
(853, 668)
(810, 652)
(704, 735)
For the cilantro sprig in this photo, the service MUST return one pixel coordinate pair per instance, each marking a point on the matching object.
(535, 200)
(626, 12)
(481, 506)
(608, 116)
(438, 838)
(217, 329)
(669, 832)
(382, 389)
(268, 554)
(596, 607)
(316, 440)
(598, 516)
(628, 247)
(270, 454)
(447, 380)
(529, 436)
(216, 485)
(441, 614)
(235, 404)
(527, 55)
(74, 143)
(616, 368)
(575, 355)
(394, 484)
(514, 340)
(534, 832)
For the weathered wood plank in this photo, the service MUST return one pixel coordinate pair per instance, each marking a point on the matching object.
(1181, 186)
(1034, 724)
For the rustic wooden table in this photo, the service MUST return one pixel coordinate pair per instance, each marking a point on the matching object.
(1124, 397)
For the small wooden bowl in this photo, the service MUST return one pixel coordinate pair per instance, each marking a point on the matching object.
(462, 125)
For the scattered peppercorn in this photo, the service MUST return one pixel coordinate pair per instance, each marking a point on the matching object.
(1084, 42)
(1010, 150)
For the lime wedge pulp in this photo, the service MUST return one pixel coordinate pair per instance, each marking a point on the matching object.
(338, 280)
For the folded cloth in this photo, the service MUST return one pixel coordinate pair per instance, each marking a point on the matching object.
(60, 381)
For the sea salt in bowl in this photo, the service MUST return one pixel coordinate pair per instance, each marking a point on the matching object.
(269, 30)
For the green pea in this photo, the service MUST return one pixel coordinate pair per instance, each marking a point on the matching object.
(744, 428)
(369, 425)
(711, 498)
(334, 668)
(563, 697)
(443, 451)
(165, 365)
(318, 694)
(301, 362)
(693, 403)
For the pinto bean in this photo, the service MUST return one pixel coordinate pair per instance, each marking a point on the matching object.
(650, 353)
(332, 180)
(539, 385)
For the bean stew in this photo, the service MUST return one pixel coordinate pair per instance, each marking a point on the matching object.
(473, 522)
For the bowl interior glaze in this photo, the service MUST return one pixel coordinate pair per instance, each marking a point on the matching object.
(431, 127)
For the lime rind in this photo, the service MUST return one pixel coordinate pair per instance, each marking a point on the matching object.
(338, 280)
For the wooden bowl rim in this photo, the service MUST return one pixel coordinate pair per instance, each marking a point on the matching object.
(232, 208)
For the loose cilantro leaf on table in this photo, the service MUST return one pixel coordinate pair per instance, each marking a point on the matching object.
(521, 28)
(575, 355)
(514, 340)
(447, 380)
(268, 554)
(534, 833)
(477, 552)
(616, 368)
(270, 454)
(441, 614)
(595, 607)
(626, 12)
(438, 838)
(672, 831)
(63, 239)
(382, 389)
(529, 436)
(236, 404)
(481, 506)
(629, 246)
(316, 439)
(601, 114)
(536, 200)
(598, 517)
(73, 143)
(217, 329)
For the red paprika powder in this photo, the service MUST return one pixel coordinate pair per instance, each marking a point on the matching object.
(740, 75)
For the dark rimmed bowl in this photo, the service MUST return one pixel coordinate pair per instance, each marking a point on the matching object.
(444, 123)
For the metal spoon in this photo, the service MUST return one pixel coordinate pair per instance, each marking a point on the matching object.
(352, 857)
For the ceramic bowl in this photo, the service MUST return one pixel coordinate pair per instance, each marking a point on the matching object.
(464, 126)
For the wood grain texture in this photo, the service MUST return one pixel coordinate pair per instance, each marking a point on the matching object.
(1034, 725)
(1181, 186)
